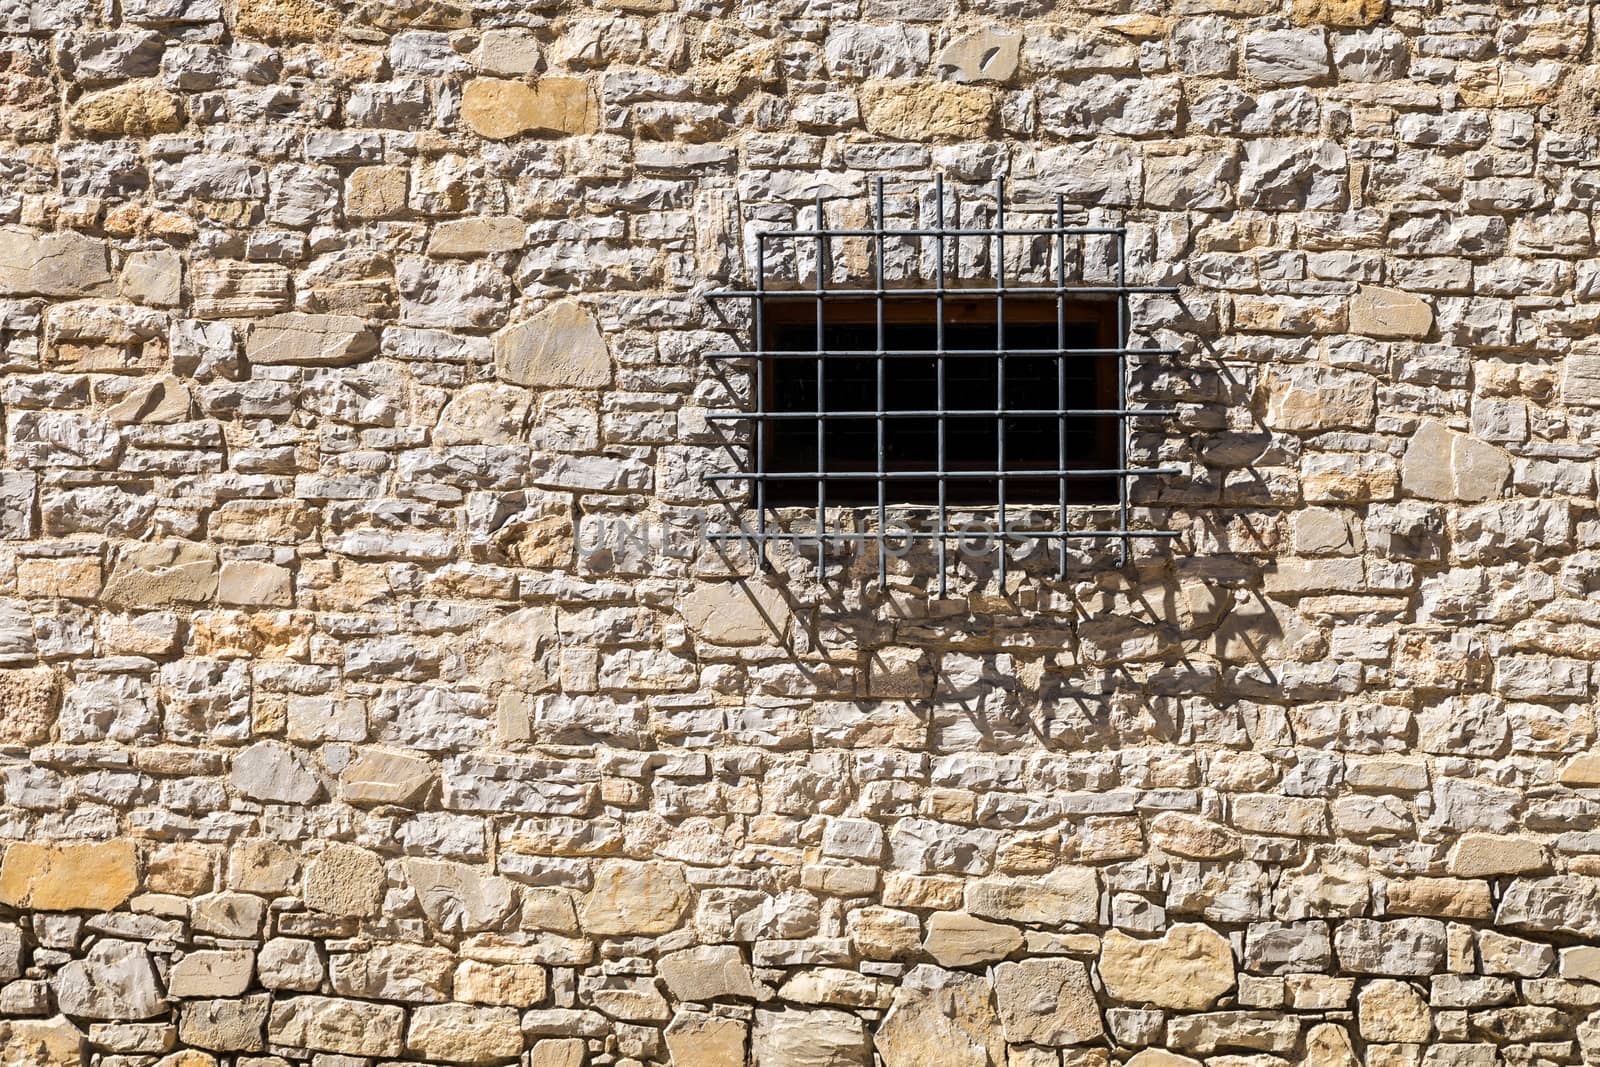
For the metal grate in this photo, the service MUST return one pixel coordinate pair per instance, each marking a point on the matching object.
(1050, 247)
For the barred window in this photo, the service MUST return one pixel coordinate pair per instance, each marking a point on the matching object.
(944, 394)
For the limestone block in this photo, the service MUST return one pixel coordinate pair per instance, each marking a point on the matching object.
(376, 192)
(154, 278)
(707, 973)
(1441, 464)
(916, 111)
(510, 984)
(1328, 1045)
(265, 867)
(236, 915)
(1191, 835)
(1450, 898)
(736, 613)
(1287, 57)
(1401, 947)
(330, 1024)
(1047, 1002)
(152, 401)
(631, 897)
(837, 987)
(697, 1039)
(957, 939)
(485, 413)
(508, 52)
(1343, 13)
(460, 898)
(1567, 904)
(228, 289)
(485, 235)
(561, 347)
(114, 980)
(819, 1038)
(1151, 1057)
(68, 876)
(1390, 1010)
(345, 880)
(29, 699)
(1314, 399)
(377, 776)
(284, 21)
(990, 54)
(288, 963)
(1065, 895)
(254, 583)
(394, 971)
(940, 1016)
(53, 1042)
(225, 1025)
(64, 264)
(310, 340)
(1379, 312)
(212, 973)
(1187, 968)
(459, 1033)
(500, 109)
(162, 574)
(856, 50)
(272, 772)
(133, 109)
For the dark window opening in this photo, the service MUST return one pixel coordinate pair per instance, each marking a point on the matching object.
(1028, 394)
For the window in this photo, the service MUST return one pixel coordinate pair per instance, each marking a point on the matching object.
(939, 394)
(1007, 408)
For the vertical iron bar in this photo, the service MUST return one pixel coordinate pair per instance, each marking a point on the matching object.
(883, 547)
(822, 406)
(761, 398)
(1000, 369)
(1122, 389)
(1061, 379)
(938, 347)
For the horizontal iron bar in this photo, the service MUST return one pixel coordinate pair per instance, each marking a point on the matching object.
(990, 231)
(933, 353)
(838, 476)
(956, 294)
(896, 413)
(948, 535)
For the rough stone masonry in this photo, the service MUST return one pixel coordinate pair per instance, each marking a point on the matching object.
(324, 740)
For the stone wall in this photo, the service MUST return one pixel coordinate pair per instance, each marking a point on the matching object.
(325, 740)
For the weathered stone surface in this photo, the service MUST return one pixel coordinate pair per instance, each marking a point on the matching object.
(94, 876)
(29, 699)
(1399, 947)
(309, 340)
(133, 109)
(1441, 464)
(1047, 1002)
(635, 898)
(115, 980)
(1187, 968)
(1394, 1011)
(696, 1039)
(810, 1039)
(736, 613)
(989, 54)
(162, 574)
(225, 1025)
(398, 972)
(64, 264)
(707, 973)
(941, 1016)
(1566, 904)
(53, 1042)
(212, 973)
(345, 880)
(510, 984)
(914, 111)
(274, 773)
(1339, 12)
(561, 347)
(1380, 312)
(460, 898)
(457, 1033)
(284, 21)
(957, 939)
(377, 776)
(499, 109)
(1312, 399)
(329, 1024)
